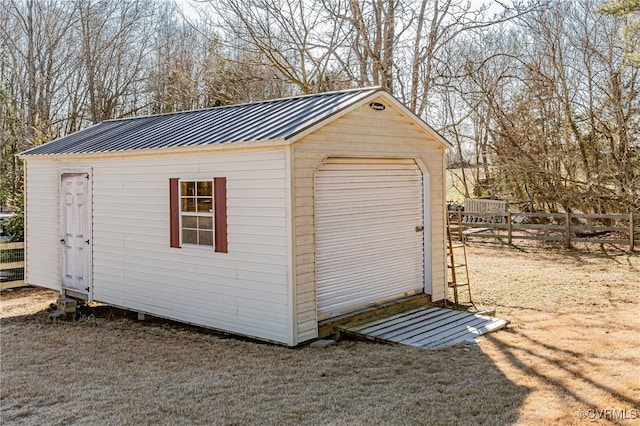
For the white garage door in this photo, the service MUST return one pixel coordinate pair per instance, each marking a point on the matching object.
(369, 236)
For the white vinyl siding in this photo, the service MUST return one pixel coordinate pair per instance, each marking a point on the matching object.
(367, 246)
(363, 133)
(244, 291)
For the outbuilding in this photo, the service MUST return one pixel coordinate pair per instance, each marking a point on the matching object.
(259, 219)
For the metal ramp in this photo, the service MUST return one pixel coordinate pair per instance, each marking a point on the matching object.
(425, 327)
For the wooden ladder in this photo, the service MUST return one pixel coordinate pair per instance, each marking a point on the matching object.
(458, 272)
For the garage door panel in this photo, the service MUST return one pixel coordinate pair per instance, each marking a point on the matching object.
(387, 249)
(335, 283)
(372, 229)
(368, 271)
(372, 210)
(364, 181)
(383, 198)
(372, 206)
(362, 216)
(375, 294)
(360, 169)
(367, 247)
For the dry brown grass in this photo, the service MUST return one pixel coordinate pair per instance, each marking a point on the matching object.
(575, 334)
(572, 345)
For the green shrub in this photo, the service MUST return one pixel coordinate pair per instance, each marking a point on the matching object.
(14, 226)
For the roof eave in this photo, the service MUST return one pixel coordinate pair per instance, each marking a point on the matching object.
(26, 152)
(265, 143)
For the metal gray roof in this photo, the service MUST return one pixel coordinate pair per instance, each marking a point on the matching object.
(267, 120)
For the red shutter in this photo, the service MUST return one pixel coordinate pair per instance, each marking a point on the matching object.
(220, 207)
(174, 213)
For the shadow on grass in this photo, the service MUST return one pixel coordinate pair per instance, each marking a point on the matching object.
(557, 366)
(351, 382)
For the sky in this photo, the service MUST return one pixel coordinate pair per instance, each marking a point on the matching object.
(494, 6)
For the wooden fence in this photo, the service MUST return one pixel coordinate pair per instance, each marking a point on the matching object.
(11, 265)
(560, 227)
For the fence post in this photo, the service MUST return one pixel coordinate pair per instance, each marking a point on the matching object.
(567, 218)
(509, 229)
(632, 230)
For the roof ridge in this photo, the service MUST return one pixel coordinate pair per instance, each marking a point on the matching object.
(264, 101)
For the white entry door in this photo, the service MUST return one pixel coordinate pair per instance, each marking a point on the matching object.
(75, 229)
(369, 222)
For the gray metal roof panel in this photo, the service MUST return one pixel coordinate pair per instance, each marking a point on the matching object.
(266, 120)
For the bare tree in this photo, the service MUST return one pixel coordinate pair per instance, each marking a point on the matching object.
(114, 45)
(570, 131)
(36, 63)
(295, 38)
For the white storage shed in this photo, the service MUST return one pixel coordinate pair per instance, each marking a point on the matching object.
(259, 219)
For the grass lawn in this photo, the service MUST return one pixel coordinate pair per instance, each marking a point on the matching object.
(572, 345)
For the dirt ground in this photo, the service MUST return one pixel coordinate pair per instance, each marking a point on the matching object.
(570, 356)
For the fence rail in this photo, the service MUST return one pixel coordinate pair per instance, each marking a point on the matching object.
(559, 227)
(11, 265)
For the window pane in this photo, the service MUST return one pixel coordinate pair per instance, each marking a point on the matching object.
(189, 237)
(188, 204)
(190, 222)
(206, 238)
(205, 189)
(205, 204)
(205, 222)
(188, 189)
(196, 206)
